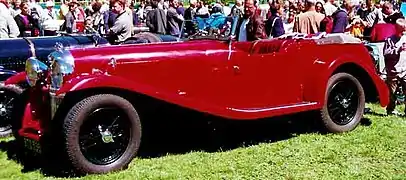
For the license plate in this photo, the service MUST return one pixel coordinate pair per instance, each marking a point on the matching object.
(32, 145)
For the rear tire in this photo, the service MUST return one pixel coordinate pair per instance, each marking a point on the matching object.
(344, 103)
(102, 133)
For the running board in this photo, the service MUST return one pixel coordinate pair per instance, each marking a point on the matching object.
(254, 113)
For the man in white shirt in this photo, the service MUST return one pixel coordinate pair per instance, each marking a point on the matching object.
(8, 26)
(329, 7)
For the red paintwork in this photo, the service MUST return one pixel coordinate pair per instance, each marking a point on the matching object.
(31, 127)
(16, 79)
(259, 79)
(36, 114)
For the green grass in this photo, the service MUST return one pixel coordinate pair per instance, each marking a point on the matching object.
(377, 151)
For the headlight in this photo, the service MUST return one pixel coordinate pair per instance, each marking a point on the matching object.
(34, 69)
(62, 64)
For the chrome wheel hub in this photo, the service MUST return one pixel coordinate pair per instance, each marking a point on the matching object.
(106, 135)
(345, 103)
(3, 110)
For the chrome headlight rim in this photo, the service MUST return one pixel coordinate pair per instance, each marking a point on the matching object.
(35, 70)
(61, 64)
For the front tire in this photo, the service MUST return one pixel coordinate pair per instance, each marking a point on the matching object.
(102, 133)
(344, 103)
(9, 95)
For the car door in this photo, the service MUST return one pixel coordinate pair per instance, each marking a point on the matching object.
(196, 71)
(267, 75)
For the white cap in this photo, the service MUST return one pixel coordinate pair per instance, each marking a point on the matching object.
(49, 4)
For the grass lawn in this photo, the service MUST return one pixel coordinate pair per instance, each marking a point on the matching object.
(375, 150)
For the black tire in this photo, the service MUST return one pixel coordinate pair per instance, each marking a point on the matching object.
(9, 96)
(343, 112)
(79, 121)
(144, 37)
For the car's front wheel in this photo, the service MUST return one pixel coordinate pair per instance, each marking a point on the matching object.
(344, 103)
(8, 97)
(102, 133)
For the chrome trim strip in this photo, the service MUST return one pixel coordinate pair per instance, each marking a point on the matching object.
(273, 108)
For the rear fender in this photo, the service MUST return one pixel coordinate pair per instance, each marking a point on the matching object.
(317, 85)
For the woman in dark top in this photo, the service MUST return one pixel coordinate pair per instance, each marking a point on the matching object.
(363, 11)
(26, 24)
(274, 24)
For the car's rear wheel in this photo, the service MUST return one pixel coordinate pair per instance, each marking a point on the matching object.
(102, 134)
(8, 97)
(344, 103)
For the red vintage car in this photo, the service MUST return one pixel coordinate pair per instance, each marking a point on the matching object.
(91, 101)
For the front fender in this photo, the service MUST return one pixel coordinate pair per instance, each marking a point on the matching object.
(108, 81)
(16, 78)
(5, 74)
(101, 81)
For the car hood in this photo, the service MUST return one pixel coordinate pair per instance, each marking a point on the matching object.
(88, 60)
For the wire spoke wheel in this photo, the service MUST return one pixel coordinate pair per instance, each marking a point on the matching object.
(105, 135)
(343, 102)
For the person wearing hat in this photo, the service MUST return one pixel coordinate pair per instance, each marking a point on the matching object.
(73, 15)
(50, 10)
(251, 27)
(49, 24)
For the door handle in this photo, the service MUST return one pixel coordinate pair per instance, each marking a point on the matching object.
(236, 69)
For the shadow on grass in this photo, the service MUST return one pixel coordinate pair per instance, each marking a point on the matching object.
(48, 165)
(167, 133)
(370, 112)
(194, 134)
